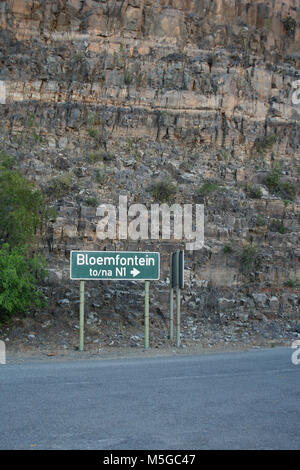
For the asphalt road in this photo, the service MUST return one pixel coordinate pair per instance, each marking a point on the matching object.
(241, 400)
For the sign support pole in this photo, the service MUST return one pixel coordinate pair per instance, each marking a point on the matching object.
(171, 302)
(81, 317)
(178, 316)
(147, 284)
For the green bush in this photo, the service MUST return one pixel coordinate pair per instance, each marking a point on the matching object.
(227, 249)
(19, 277)
(287, 191)
(211, 59)
(37, 138)
(254, 192)
(208, 188)
(93, 119)
(225, 155)
(277, 226)
(92, 202)
(100, 176)
(93, 133)
(103, 156)
(30, 120)
(22, 208)
(22, 212)
(163, 191)
(6, 161)
(273, 178)
(249, 259)
(128, 77)
(95, 157)
(282, 189)
(260, 221)
(292, 283)
(262, 144)
(289, 24)
(60, 185)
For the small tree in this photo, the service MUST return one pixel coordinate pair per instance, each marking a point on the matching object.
(22, 207)
(19, 277)
(22, 211)
(249, 259)
(289, 24)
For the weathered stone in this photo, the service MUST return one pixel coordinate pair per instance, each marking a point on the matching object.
(274, 303)
(260, 299)
(226, 304)
(242, 315)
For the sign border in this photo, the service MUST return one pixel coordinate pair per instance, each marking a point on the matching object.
(108, 279)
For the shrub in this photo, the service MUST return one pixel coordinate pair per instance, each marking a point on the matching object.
(208, 188)
(22, 211)
(277, 226)
(262, 144)
(22, 208)
(287, 191)
(108, 156)
(19, 277)
(93, 133)
(100, 177)
(292, 283)
(163, 191)
(6, 161)
(284, 189)
(227, 249)
(94, 157)
(37, 138)
(273, 178)
(249, 258)
(129, 144)
(260, 221)
(254, 192)
(289, 24)
(60, 185)
(225, 155)
(93, 119)
(92, 201)
(211, 59)
(103, 156)
(30, 120)
(128, 77)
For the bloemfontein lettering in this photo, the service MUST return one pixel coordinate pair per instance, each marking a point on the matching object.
(85, 259)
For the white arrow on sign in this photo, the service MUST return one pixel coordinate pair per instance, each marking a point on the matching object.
(135, 272)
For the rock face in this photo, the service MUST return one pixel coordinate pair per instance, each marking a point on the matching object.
(101, 98)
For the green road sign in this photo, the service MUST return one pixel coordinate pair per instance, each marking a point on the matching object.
(114, 265)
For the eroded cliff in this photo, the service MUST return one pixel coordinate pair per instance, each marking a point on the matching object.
(108, 97)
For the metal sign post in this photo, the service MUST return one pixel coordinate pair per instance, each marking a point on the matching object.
(81, 317)
(178, 316)
(180, 285)
(177, 282)
(147, 284)
(171, 301)
(175, 273)
(181, 269)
